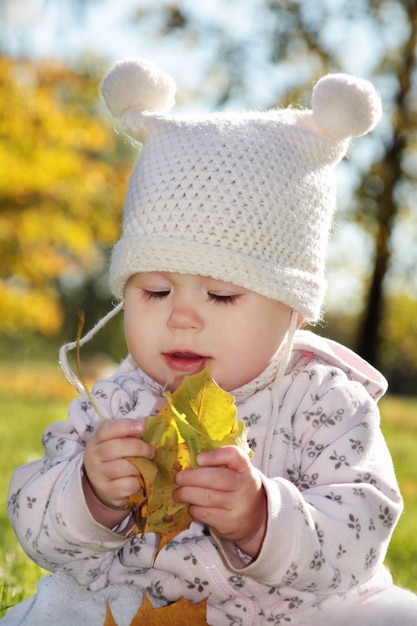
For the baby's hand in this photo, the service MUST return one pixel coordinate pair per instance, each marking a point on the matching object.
(227, 493)
(110, 477)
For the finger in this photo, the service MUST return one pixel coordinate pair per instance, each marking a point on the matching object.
(117, 492)
(231, 457)
(128, 487)
(220, 478)
(122, 448)
(120, 428)
(119, 468)
(202, 497)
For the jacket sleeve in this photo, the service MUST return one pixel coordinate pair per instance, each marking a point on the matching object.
(332, 513)
(46, 505)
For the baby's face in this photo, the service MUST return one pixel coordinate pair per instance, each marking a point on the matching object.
(176, 324)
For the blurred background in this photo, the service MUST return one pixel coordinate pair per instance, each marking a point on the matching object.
(64, 164)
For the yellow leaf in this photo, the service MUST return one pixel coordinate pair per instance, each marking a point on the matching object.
(177, 614)
(109, 619)
(205, 415)
(154, 507)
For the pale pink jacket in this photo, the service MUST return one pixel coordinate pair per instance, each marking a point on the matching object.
(333, 500)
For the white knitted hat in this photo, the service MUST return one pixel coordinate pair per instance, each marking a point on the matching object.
(245, 198)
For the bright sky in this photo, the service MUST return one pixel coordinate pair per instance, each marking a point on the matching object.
(48, 28)
(42, 28)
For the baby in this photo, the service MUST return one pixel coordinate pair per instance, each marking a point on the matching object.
(221, 259)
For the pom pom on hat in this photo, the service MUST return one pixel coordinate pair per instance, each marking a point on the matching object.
(138, 85)
(345, 106)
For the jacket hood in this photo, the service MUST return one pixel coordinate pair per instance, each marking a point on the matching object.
(355, 367)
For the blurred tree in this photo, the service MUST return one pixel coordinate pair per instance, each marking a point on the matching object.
(61, 190)
(399, 342)
(389, 188)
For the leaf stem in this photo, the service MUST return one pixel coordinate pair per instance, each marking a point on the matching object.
(81, 320)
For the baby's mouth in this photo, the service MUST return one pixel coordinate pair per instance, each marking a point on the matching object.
(185, 361)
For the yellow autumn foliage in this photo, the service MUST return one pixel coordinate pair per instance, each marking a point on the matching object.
(62, 183)
(30, 308)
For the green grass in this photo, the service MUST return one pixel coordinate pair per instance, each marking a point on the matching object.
(21, 424)
(23, 418)
(399, 425)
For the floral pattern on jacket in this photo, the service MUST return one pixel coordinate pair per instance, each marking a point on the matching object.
(332, 496)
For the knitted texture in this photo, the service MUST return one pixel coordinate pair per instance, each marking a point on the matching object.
(245, 198)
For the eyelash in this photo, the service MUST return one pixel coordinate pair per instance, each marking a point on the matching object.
(212, 297)
(217, 299)
(154, 295)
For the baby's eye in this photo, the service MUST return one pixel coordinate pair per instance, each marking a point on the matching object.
(223, 298)
(155, 295)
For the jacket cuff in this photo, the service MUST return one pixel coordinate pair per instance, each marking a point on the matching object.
(68, 504)
(279, 545)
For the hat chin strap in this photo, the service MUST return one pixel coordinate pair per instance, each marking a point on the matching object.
(284, 353)
(67, 347)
